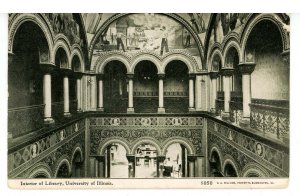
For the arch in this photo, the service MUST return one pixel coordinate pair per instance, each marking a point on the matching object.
(186, 60)
(143, 140)
(215, 52)
(62, 160)
(109, 141)
(254, 169)
(76, 51)
(78, 149)
(16, 20)
(176, 17)
(253, 21)
(189, 146)
(102, 62)
(39, 169)
(230, 161)
(232, 43)
(147, 57)
(62, 42)
(216, 149)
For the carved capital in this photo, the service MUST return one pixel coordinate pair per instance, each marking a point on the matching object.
(47, 67)
(10, 57)
(191, 158)
(214, 74)
(77, 75)
(161, 158)
(247, 68)
(130, 158)
(227, 71)
(286, 57)
(161, 76)
(130, 76)
(100, 76)
(192, 76)
(66, 72)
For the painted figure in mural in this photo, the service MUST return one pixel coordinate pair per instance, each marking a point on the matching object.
(187, 39)
(119, 41)
(164, 40)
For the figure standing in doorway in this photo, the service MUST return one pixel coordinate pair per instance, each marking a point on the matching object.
(119, 41)
(164, 41)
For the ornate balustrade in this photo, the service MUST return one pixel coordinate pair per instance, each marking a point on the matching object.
(270, 117)
(236, 106)
(25, 119)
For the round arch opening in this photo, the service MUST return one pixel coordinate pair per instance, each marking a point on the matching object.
(264, 47)
(176, 87)
(115, 83)
(77, 165)
(215, 165)
(145, 87)
(146, 164)
(117, 165)
(63, 171)
(229, 170)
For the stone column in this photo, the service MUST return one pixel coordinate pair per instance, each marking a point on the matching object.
(161, 108)
(93, 104)
(226, 73)
(67, 73)
(246, 70)
(198, 92)
(101, 166)
(78, 76)
(100, 92)
(47, 69)
(191, 93)
(191, 161)
(130, 108)
(131, 165)
(213, 75)
(160, 166)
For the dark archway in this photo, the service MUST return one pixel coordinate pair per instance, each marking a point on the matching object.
(229, 171)
(176, 87)
(63, 171)
(215, 165)
(77, 166)
(115, 87)
(25, 80)
(145, 87)
(264, 47)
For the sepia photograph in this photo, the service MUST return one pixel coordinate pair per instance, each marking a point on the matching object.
(182, 100)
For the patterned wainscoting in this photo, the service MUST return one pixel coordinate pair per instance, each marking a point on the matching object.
(247, 151)
(47, 152)
(160, 130)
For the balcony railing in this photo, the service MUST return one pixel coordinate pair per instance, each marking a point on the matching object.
(73, 106)
(236, 106)
(270, 117)
(58, 111)
(24, 120)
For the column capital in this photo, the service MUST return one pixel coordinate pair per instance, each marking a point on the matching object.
(10, 57)
(77, 75)
(214, 74)
(100, 76)
(161, 76)
(191, 157)
(286, 57)
(226, 71)
(160, 158)
(66, 72)
(192, 76)
(247, 68)
(130, 157)
(47, 67)
(130, 76)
